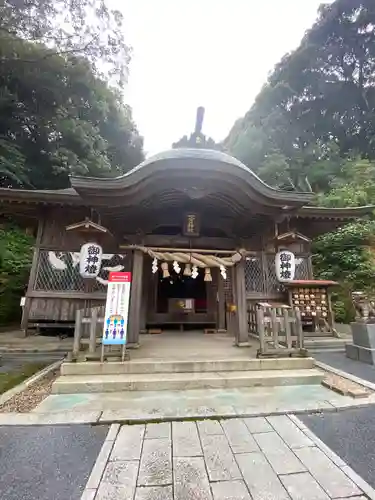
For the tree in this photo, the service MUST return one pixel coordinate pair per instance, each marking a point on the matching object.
(355, 188)
(318, 104)
(15, 262)
(325, 90)
(84, 28)
(58, 118)
(346, 256)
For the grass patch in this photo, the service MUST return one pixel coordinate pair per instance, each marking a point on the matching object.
(8, 380)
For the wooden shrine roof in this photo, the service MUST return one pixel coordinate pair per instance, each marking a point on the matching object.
(179, 177)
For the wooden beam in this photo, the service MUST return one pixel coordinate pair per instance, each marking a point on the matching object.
(186, 250)
(181, 241)
(45, 294)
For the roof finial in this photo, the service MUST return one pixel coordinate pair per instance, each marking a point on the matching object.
(199, 121)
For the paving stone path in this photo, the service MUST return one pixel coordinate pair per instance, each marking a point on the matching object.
(237, 459)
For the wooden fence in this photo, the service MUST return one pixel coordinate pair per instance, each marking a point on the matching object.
(279, 329)
(93, 321)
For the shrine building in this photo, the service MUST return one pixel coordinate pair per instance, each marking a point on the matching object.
(198, 230)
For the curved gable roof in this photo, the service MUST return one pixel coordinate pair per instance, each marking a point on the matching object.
(187, 162)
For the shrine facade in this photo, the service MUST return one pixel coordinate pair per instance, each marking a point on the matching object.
(198, 230)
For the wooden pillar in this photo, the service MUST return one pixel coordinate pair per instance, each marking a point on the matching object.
(32, 276)
(310, 267)
(242, 336)
(211, 294)
(221, 302)
(135, 309)
(146, 280)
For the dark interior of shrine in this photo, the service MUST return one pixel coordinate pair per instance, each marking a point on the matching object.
(178, 286)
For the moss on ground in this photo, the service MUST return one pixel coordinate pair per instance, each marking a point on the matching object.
(10, 379)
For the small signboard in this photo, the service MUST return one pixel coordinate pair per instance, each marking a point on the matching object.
(191, 225)
(117, 309)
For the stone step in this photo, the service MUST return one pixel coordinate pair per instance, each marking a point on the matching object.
(73, 384)
(321, 345)
(179, 366)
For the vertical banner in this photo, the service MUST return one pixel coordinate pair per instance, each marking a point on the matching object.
(117, 309)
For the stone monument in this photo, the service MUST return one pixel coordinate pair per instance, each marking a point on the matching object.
(363, 330)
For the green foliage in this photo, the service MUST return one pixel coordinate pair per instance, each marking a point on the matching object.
(60, 112)
(316, 110)
(80, 28)
(345, 256)
(10, 379)
(355, 188)
(15, 262)
(57, 118)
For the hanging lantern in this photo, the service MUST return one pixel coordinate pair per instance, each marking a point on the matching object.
(187, 270)
(223, 272)
(195, 272)
(154, 266)
(285, 263)
(207, 274)
(165, 270)
(176, 267)
(90, 260)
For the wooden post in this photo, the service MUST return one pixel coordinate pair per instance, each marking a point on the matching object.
(146, 285)
(261, 331)
(32, 276)
(299, 329)
(221, 302)
(310, 267)
(288, 335)
(93, 325)
(135, 299)
(77, 332)
(242, 336)
(274, 327)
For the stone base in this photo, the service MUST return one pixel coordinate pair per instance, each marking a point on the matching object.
(363, 335)
(241, 344)
(359, 353)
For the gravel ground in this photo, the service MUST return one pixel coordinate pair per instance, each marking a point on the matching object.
(47, 462)
(350, 433)
(28, 399)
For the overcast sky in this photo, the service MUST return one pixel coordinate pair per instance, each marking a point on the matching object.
(214, 53)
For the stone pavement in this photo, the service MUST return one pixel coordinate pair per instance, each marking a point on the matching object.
(236, 459)
(15, 341)
(133, 406)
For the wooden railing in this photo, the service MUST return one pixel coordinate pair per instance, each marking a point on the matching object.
(279, 329)
(93, 321)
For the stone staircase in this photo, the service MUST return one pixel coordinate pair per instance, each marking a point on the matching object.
(151, 375)
(326, 344)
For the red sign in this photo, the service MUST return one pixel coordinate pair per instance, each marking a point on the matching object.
(120, 277)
